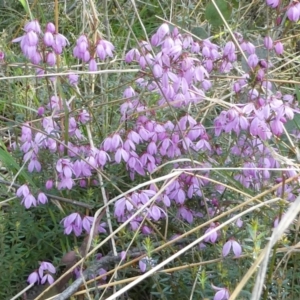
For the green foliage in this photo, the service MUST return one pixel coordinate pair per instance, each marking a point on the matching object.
(213, 16)
(26, 237)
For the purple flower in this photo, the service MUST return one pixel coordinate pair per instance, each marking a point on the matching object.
(51, 59)
(81, 48)
(33, 26)
(34, 164)
(48, 39)
(278, 48)
(66, 182)
(73, 78)
(104, 48)
(121, 154)
(163, 30)
(155, 212)
(221, 294)
(248, 47)
(120, 206)
(33, 278)
(101, 227)
(44, 272)
(41, 111)
(186, 214)
(229, 48)
(87, 223)
(93, 65)
(293, 13)
(83, 116)
(64, 166)
(112, 143)
(236, 248)
(49, 184)
(81, 168)
(213, 236)
(23, 190)
(123, 255)
(26, 135)
(50, 27)
(252, 60)
(42, 198)
(131, 55)
(239, 222)
(268, 42)
(29, 201)
(102, 157)
(73, 222)
(142, 266)
(272, 3)
(60, 42)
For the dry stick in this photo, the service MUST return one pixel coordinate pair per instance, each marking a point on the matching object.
(23, 291)
(56, 12)
(73, 72)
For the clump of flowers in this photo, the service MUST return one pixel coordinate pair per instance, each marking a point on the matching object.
(176, 71)
(43, 275)
(84, 50)
(39, 46)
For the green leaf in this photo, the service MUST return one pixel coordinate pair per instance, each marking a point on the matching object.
(11, 164)
(26, 8)
(212, 15)
(19, 105)
(200, 32)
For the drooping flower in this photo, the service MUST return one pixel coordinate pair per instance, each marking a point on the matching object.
(49, 184)
(73, 78)
(29, 201)
(272, 3)
(234, 245)
(213, 236)
(120, 206)
(73, 222)
(293, 13)
(278, 48)
(46, 271)
(268, 42)
(23, 190)
(221, 294)
(33, 277)
(42, 198)
(104, 48)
